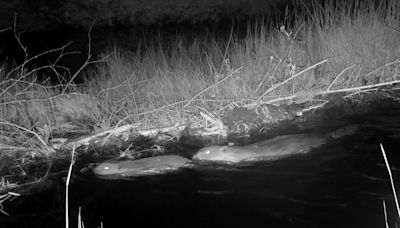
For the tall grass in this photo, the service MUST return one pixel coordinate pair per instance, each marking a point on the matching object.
(164, 83)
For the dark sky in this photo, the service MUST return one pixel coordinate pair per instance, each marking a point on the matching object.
(39, 14)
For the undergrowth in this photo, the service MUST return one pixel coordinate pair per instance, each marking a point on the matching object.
(318, 48)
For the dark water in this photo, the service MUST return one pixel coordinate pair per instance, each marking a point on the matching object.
(341, 184)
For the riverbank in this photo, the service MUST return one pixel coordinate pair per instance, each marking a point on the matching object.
(201, 91)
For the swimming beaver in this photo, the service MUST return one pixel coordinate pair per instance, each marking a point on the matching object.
(152, 165)
(270, 149)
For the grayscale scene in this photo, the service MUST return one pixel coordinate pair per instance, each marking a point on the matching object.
(199, 113)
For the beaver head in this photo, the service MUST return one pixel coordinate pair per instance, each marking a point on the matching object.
(216, 153)
(107, 168)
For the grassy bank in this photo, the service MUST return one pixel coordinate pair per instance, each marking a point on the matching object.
(318, 49)
(160, 84)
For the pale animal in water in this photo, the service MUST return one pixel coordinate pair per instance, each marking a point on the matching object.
(270, 149)
(144, 166)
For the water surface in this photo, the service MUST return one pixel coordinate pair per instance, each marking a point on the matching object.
(342, 184)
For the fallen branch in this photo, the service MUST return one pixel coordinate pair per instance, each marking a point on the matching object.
(123, 130)
(352, 89)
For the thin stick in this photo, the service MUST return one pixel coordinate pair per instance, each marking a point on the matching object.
(27, 130)
(5, 197)
(80, 223)
(384, 65)
(88, 61)
(5, 29)
(67, 186)
(391, 180)
(226, 49)
(352, 89)
(337, 77)
(362, 87)
(385, 214)
(269, 75)
(28, 60)
(294, 76)
(204, 90)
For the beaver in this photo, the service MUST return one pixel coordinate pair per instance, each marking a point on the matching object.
(129, 168)
(270, 149)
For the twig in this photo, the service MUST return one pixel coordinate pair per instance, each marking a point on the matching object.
(385, 214)
(337, 77)
(5, 29)
(8, 147)
(22, 185)
(27, 130)
(269, 76)
(80, 222)
(226, 49)
(115, 131)
(5, 197)
(67, 187)
(40, 55)
(38, 99)
(384, 65)
(124, 85)
(154, 131)
(38, 85)
(352, 89)
(26, 61)
(217, 126)
(87, 61)
(204, 90)
(360, 87)
(391, 180)
(17, 36)
(294, 76)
